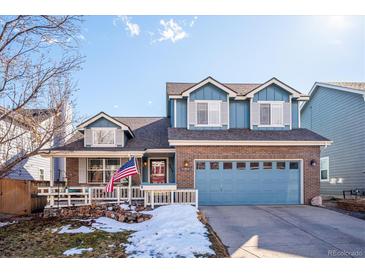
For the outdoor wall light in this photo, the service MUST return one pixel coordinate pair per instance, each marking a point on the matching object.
(313, 163)
(145, 163)
(186, 163)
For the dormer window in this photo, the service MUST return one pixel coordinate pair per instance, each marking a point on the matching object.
(208, 113)
(104, 137)
(271, 114)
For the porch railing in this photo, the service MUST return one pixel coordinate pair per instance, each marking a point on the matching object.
(78, 196)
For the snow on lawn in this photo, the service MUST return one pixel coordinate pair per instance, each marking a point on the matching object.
(76, 251)
(81, 229)
(173, 231)
(6, 223)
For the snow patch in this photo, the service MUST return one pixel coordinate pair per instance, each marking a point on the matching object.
(76, 251)
(81, 229)
(173, 231)
(7, 223)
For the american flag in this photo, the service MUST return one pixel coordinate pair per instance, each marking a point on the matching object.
(128, 169)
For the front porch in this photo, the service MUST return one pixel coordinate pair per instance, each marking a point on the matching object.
(87, 174)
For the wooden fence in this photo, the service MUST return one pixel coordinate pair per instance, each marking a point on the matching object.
(20, 197)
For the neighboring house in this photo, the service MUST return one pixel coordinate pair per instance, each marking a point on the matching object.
(235, 143)
(337, 111)
(37, 167)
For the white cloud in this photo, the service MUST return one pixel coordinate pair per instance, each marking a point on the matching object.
(171, 31)
(116, 106)
(192, 22)
(149, 102)
(132, 28)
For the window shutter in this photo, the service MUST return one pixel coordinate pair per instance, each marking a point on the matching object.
(286, 113)
(224, 113)
(192, 113)
(88, 138)
(82, 170)
(255, 113)
(119, 137)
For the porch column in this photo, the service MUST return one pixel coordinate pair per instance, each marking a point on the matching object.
(51, 175)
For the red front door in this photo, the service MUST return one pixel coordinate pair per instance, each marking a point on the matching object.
(158, 171)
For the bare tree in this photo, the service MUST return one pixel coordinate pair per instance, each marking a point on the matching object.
(38, 56)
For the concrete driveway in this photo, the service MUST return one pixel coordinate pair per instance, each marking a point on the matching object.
(287, 231)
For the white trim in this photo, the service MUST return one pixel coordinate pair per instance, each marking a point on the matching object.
(299, 117)
(246, 143)
(100, 154)
(212, 81)
(290, 113)
(103, 115)
(328, 169)
(271, 103)
(331, 86)
(51, 175)
(251, 126)
(208, 102)
(166, 168)
(260, 160)
(228, 112)
(175, 97)
(295, 93)
(174, 112)
(104, 145)
(160, 150)
(187, 112)
(39, 174)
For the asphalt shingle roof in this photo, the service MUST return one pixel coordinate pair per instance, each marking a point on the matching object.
(150, 132)
(300, 134)
(352, 85)
(174, 88)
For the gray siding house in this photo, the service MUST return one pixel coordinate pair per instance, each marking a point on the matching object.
(337, 111)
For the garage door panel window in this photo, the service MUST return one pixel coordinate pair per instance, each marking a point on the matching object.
(241, 165)
(214, 165)
(227, 165)
(294, 165)
(267, 165)
(200, 165)
(280, 165)
(324, 167)
(254, 165)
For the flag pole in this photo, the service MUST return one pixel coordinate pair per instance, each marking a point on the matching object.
(130, 187)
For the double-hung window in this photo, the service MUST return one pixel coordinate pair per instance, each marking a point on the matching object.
(271, 114)
(208, 113)
(100, 170)
(103, 137)
(324, 168)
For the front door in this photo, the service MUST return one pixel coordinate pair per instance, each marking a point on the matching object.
(158, 171)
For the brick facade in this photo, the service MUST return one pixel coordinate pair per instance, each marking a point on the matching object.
(72, 172)
(185, 175)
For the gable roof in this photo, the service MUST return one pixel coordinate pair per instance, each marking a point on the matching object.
(109, 118)
(354, 87)
(243, 90)
(150, 133)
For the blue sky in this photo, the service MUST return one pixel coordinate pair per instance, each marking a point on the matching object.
(129, 59)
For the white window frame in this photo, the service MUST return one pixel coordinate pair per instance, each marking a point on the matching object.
(103, 170)
(271, 103)
(328, 169)
(39, 174)
(93, 130)
(219, 102)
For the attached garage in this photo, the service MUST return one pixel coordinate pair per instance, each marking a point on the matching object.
(251, 182)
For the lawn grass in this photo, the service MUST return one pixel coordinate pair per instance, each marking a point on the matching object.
(34, 238)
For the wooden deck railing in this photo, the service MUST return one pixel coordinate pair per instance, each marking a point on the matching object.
(78, 196)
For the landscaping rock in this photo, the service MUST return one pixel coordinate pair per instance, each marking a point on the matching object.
(355, 205)
(95, 211)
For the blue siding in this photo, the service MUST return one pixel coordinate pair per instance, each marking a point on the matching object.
(181, 113)
(339, 116)
(102, 122)
(239, 114)
(294, 114)
(208, 92)
(235, 187)
(172, 112)
(272, 93)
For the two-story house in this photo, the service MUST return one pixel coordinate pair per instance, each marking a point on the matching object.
(337, 110)
(234, 143)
